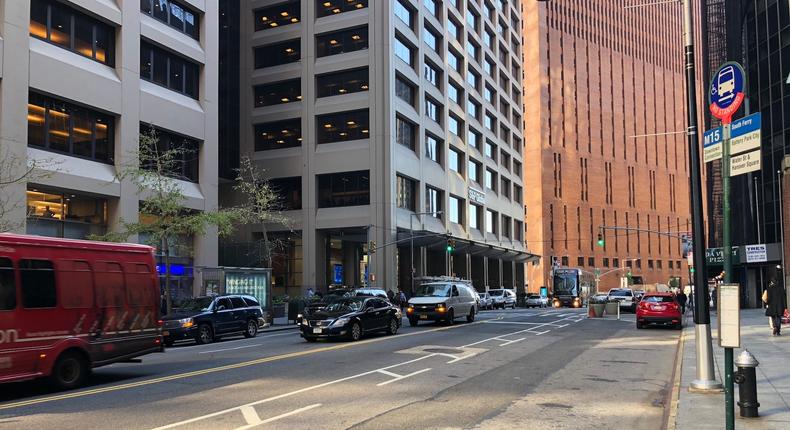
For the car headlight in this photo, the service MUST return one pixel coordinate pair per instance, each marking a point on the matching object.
(186, 322)
(441, 307)
(299, 316)
(305, 322)
(341, 321)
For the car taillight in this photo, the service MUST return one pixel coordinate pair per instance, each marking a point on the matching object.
(675, 306)
(160, 323)
(642, 305)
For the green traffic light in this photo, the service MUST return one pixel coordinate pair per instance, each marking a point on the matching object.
(600, 242)
(692, 270)
(449, 248)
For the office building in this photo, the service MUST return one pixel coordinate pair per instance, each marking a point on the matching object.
(366, 114)
(80, 79)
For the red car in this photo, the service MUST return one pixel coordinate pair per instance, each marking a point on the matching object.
(659, 308)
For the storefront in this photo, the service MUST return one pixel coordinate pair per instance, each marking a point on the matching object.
(255, 282)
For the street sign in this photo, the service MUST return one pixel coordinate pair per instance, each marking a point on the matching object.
(477, 196)
(712, 148)
(745, 163)
(727, 91)
(729, 309)
(756, 253)
(715, 256)
(745, 134)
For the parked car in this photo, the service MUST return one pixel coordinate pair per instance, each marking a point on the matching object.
(351, 317)
(442, 301)
(659, 308)
(205, 319)
(536, 301)
(485, 301)
(599, 298)
(626, 298)
(369, 292)
(503, 298)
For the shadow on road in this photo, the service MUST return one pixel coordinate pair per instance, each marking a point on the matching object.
(40, 387)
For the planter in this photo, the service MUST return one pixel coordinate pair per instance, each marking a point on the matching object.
(278, 311)
(596, 310)
(612, 308)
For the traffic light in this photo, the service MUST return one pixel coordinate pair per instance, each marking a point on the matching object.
(601, 241)
(450, 245)
(691, 269)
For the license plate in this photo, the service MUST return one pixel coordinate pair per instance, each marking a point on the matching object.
(317, 330)
(659, 308)
(165, 333)
(423, 317)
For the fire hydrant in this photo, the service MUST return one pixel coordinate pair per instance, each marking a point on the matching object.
(746, 378)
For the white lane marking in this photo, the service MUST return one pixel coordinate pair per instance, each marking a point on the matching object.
(388, 373)
(538, 333)
(279, 417)
(514, 322)
(288, 394)
(402, 377)
(533, 327)
(250, 415)
(511, 341)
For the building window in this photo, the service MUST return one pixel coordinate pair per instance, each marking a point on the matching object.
(580, 261)
(406, 193)
(185, 153)
(73, 216)
(289, 190)
(404, 52)
(489, 67)
(405, 132)
(433, 148)
(454, 92)
(278, 93)
(432, 74)
(178, 16)
(434, 8)
(517, 169)
(404, 90)
(404, 13)
(473, 138)
(471, 20)
(431, 39)
(433, 110)
(474, 216)
(334, 7)
(455, 159)
(278, 135)
(488, 38)
(491, 221)
(490, 150)
(63, 26)
(455, 125)
(169, 70)
(518, 193)
(474, 170)
(488, 94)
(490, 122)
(473, 109)
(473, 49)
(505, 189)
(491, 182)
(518, 231)
(473, 79)
(456, 210)
(342, 126)
(59, 126)
(277, 15)
(433, 201)
(506, 226)
(339, 83)
(341, 42)
(279, 53)
(344, 189)
(453, 29)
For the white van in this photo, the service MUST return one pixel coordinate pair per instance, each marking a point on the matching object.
(442, 301)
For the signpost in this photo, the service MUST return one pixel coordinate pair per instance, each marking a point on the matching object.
(745, 134)
(727, 92)
(729, 309)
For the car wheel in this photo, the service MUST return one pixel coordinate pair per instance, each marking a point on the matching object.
(393, 327)
(450, 318)
(70, 371)
(355, 333)
(204, 334)
(640, 325)
(310, 339)
(169, 343)
(471, 316)
(413, 322)
(252, 329)
(678, 326)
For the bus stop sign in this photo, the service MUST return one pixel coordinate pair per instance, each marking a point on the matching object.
(727, 88)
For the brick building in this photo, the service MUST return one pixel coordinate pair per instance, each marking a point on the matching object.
(604, 115)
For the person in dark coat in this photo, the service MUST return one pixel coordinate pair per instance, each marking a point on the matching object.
(776, 304)
(681, 297)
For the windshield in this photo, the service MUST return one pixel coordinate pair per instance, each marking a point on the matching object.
(496, 293)
(433, 290)
(565, 285)
(621, 293)
(345, 305)
(197, 304)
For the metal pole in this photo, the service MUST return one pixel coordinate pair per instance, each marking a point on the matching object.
(729, 395)
(411, 252)
(705, 371)
(781, 222)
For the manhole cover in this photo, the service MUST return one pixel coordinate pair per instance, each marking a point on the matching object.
(443, 351)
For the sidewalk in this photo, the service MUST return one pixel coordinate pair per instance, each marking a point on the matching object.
(706, 411)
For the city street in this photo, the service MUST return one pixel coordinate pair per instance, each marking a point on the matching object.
(539, 368)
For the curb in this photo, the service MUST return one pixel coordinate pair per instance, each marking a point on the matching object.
(674, 395)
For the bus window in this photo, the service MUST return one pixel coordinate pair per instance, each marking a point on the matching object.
(76, 284)
(38, 284)
(138, 285)
(110, 289)
(7, 285)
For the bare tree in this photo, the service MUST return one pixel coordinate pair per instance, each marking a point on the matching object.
(18, 171)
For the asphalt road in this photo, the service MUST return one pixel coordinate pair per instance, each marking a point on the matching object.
(492, 373)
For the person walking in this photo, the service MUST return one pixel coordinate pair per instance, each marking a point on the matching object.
(682, 299)
(402, 299)
(776, 304)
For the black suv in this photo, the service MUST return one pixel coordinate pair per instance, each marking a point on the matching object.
(206, 318)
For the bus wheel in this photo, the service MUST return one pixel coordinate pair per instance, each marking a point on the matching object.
(70, 370)
(204, 334)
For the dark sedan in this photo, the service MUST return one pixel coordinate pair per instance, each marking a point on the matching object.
(205, 319)
(351, 317)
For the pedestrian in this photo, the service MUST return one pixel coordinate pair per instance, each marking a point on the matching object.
(310, 293)
(391, 296)
(682, 299)
(776, 304)
(162, 305)
(402, 299)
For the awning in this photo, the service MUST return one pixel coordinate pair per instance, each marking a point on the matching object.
(438, 242)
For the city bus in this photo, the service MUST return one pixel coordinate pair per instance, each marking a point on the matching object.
(67, 306)
(572, 287)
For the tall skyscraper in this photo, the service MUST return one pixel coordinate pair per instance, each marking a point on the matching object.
(79, 81)
(604, 123)
(386, 126)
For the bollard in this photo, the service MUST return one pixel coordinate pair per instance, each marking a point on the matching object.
(746, 378)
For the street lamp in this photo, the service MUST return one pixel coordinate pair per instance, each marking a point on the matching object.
(411, 240)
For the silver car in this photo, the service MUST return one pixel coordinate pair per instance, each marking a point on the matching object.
(536, 301)
(484, 301)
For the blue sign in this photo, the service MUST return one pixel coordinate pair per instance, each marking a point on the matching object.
(746, 125)
(339, 274)
(544, 292)
(713, 137)
(727, 91)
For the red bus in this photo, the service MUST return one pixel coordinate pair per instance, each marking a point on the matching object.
(67, 306)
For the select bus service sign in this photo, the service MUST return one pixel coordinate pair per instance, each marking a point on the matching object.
(727, 91)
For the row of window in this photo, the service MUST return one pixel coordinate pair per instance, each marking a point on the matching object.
(330, 128)
(332, 43)
(615, 262)
(175, 14)
(290, 12)
(327, 85)
(457, 212)
(169, 70)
